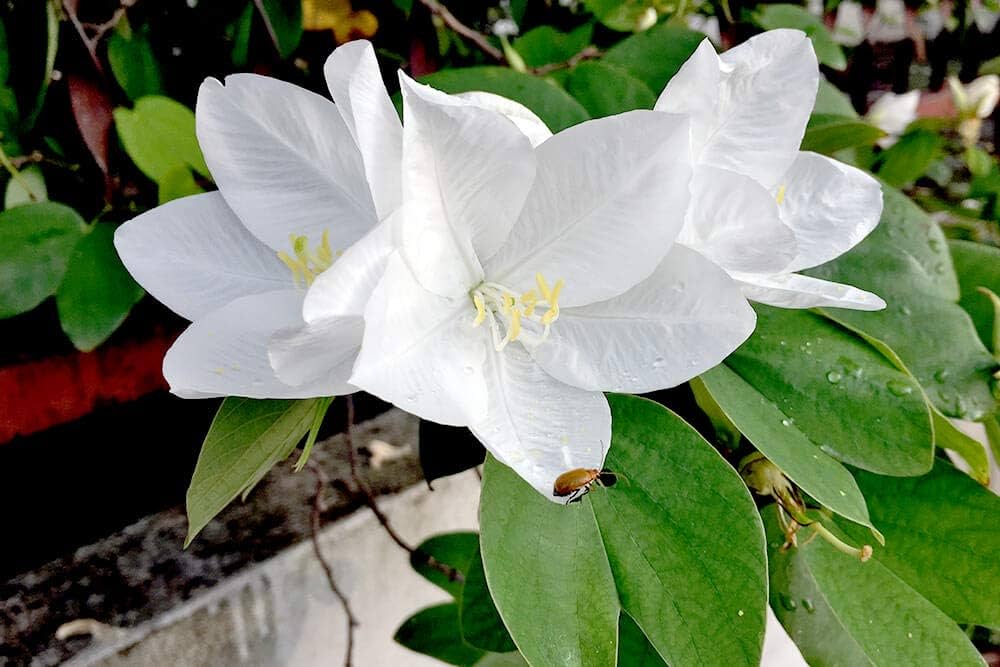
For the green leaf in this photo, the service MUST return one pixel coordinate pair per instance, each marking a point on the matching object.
(545, 45)
(44, 17)
(677, 543)
(547, 572)
(942, 539)
(27, 188)
(910, 157)
(772, 17)
(948, 436)
(829, 134)
(96, 293)
(980, 162)
(831, 101)
(482, 626)
(906, 262)
(839, 392)
(132, 61)
(456, 550)
(246, 438)
(240, 30)
(176, 183)
(634, 650)
(283, 19)
(654, 56)
(840, 611)
(435, 632)
(36, 241)
(158, 134)
(605, 90)
(512, 659)
(978, 266)
(552, 104)
(621, 15)
(779, 438)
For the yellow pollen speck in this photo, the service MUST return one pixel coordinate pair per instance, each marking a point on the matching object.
(480, 309)
(780, 197)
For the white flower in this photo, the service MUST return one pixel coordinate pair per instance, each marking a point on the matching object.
(849, 26)
(526, 282)
(761, 208)
(973, 103)
(892, 114)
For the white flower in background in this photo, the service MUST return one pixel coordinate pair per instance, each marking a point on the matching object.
(849, 25)
(760, 208)
(526, 282)
(974, 102)
(984, 16)
(706, 25)
(892, 114)
(888, 25)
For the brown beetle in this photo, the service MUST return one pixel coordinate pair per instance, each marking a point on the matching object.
(575, 483)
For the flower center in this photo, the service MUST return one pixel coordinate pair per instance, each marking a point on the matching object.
(305, 263)
(506, 312)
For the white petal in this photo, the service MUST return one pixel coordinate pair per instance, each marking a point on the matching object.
(355, 83)
(420, 350)
(609, 199)
(321, 352)
(735, 222)
(224, 353)
(539, 426)
(524, 118)
(830, 206)
(284, 160)
(792, 290)
(466, 173)
(678, 323)
(345, 287)
(750, 105)
(892, 113)
(194, 255)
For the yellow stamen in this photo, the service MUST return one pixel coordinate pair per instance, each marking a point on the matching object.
(530, 300)
(543, 286)
(780, 197)
(480, 309)
(304, 263)
(552, 314)
(515, 324)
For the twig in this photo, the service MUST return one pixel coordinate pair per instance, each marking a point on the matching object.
(314, 523)
(98, 30)
(416, 555)
(588, 53)
(474, 36)
(17, 176)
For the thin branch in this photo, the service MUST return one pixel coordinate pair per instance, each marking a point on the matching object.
(588, 53)
(90, 45)
(97, 30)
(474, 36)
(314, 523)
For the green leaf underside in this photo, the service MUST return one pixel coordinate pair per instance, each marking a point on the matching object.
(606, 90)
(840, 611)
(978, 265)
(246, 438)
(36, 242)
(942, 535)
(97, 292)
(972, 451)
(676, 544)
(906, 262)
(838, 391)
(780, 440)
(554, 106)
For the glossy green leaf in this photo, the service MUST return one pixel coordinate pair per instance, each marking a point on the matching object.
(158, 134)
(283, 20)
(512, 659)
(683, 538)
(246, 438)
(96, 293)
(545, 45)
(780, 439)
(27, 188)
(910, 157)
(978, 265)
(948, 436)
(606, 90)
(942, 538)
(906, 262)
(482, 626)
(840, 611)
(677, 543)
(176, 183)
(435, 632)
(547, 572)
(634, 650)
(654, 56)
(41, 21)
(828, 134)
(239, 31)
(455, 550)
(831, 101)
(36, 241)
(552, 104)
(621, 15)
(772, 17)
(839, 392)
(132, 61)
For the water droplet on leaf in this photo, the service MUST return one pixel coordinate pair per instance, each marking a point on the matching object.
(899, 388)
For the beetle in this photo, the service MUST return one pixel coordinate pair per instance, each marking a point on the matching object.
(575, 483)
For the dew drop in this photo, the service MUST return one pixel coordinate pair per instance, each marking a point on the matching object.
(658, 362)
(941, 375)
(740, 612)
(468, 370)
(411, 398)
(906, 310)
(786, 422)
(808, 604)
(898, 388)
(788, 602)
(834, 377)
